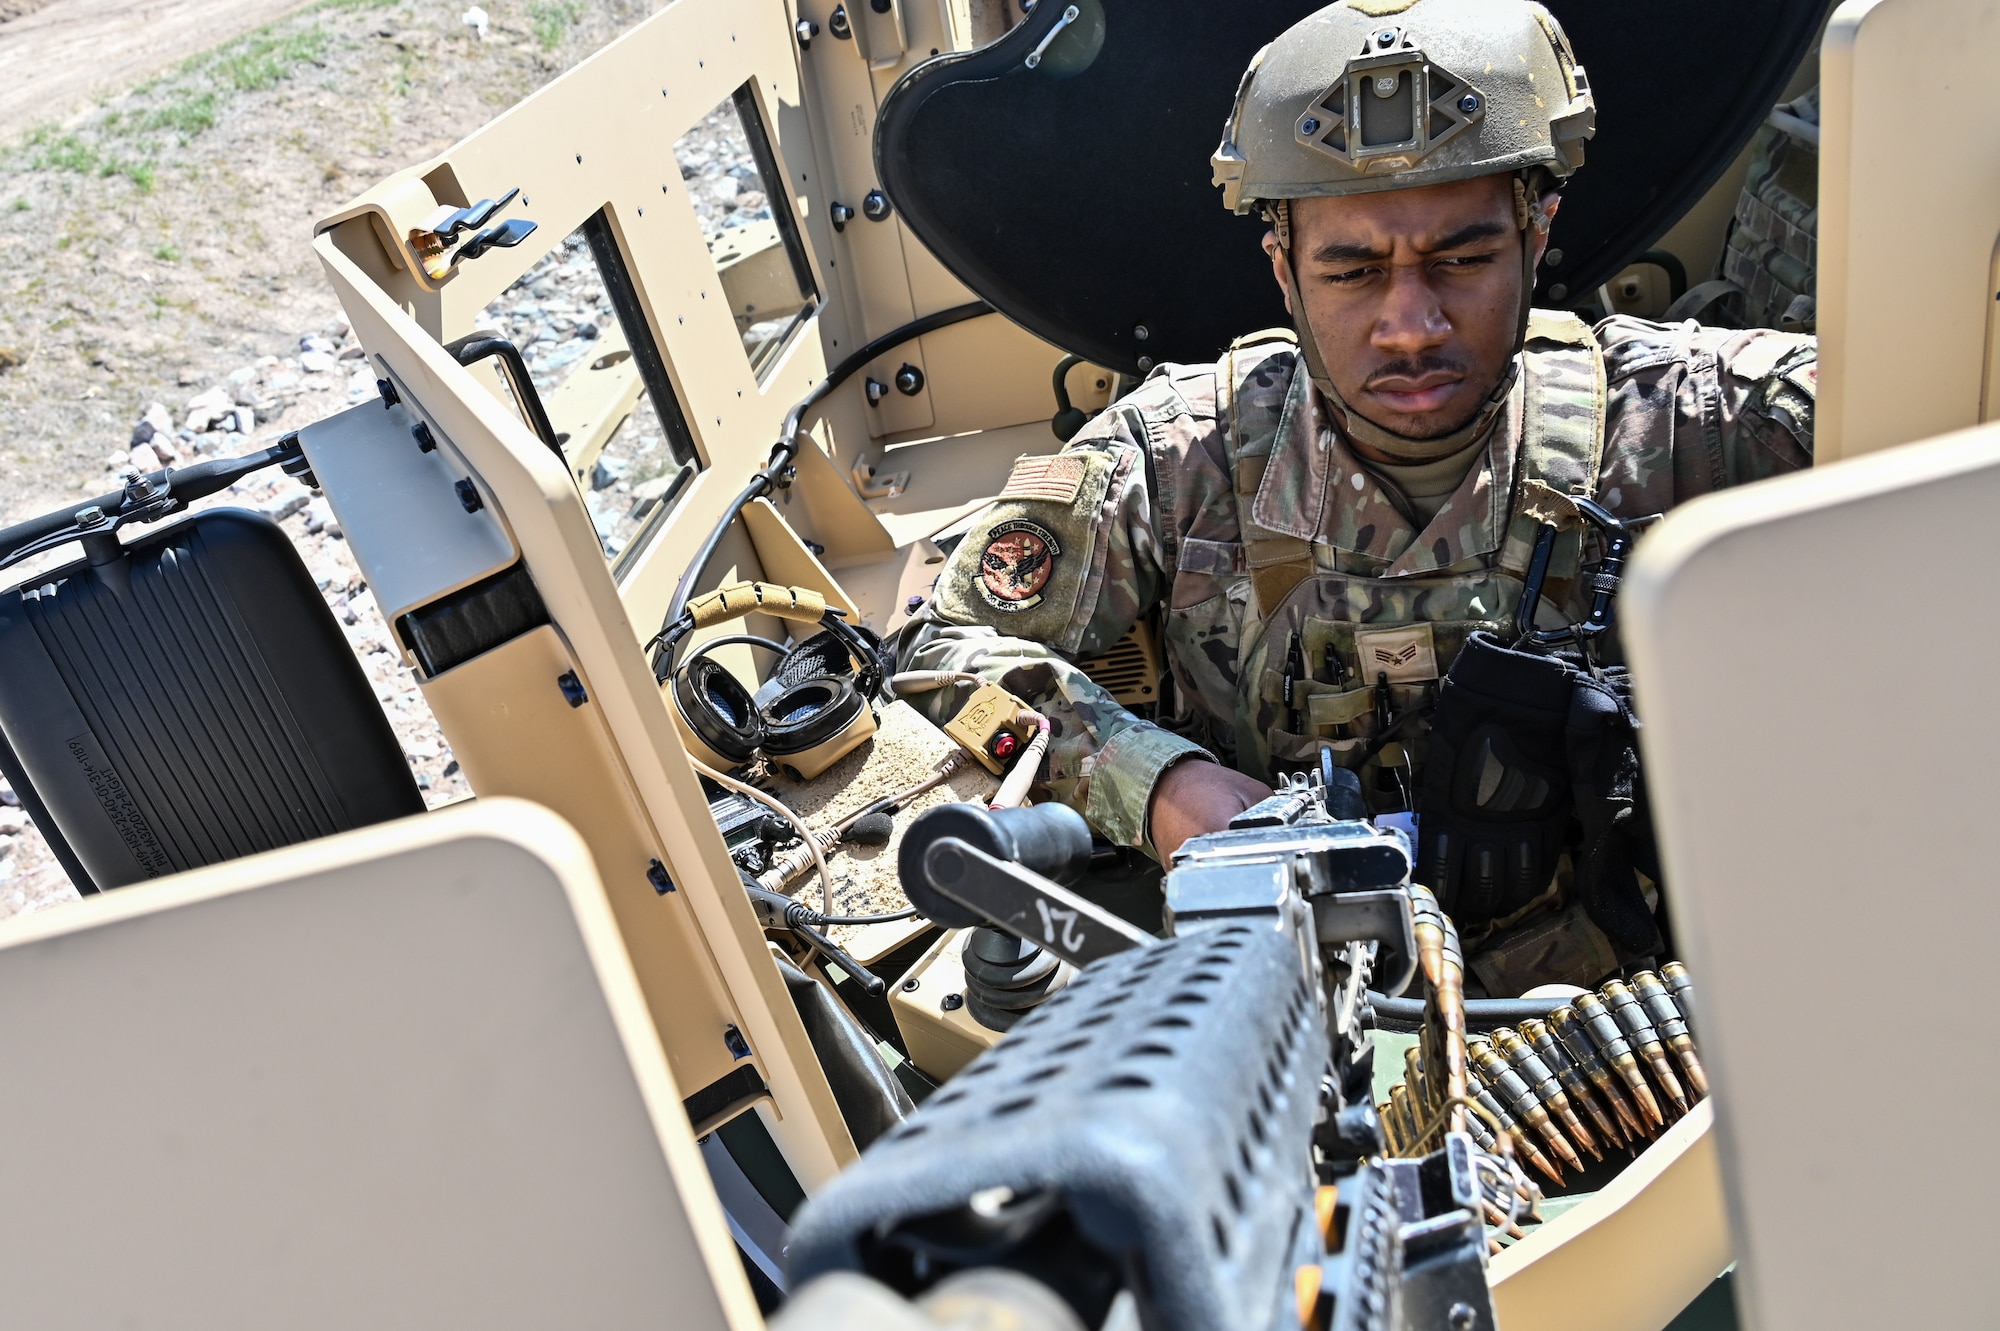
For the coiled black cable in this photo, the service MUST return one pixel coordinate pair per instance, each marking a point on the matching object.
(787, 447)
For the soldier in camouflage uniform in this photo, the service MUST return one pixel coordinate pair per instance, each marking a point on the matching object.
(1318, 521)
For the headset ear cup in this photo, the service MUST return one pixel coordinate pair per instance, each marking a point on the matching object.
(812, 725)
(719, 723)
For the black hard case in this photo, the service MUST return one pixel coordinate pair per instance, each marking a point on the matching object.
(188, 703)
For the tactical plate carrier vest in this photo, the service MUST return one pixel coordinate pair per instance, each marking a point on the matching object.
(1374, 635)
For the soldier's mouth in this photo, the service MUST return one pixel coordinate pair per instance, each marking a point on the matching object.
(1412, 397)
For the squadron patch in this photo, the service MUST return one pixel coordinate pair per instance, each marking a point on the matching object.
(1016, 564)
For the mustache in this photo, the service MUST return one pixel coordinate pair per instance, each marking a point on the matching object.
(1414, 367)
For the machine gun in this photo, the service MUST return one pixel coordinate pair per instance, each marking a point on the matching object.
(1183, 1136)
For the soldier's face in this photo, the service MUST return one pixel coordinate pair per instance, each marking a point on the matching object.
(1413, 297)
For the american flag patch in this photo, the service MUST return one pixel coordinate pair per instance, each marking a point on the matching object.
(1049, 477)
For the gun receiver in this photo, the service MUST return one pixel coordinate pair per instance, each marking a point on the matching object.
(1188, 1124)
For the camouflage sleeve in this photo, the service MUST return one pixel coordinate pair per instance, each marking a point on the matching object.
(1694, 410)
(1061, 564)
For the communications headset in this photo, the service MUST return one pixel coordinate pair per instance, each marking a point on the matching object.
(816, 707)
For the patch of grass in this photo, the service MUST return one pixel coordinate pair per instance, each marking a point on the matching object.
(552, 20)
(166, 254)
(264, 58)
(50, 151)
(19, 206)
(187, 114)
(139, 172)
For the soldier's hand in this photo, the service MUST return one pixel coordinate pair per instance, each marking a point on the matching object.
(1197, 796)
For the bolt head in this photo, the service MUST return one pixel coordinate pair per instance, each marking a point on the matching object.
(910, 607)
(1468, 103)
(1386, 37)
(952, 1002)
(1309, 125)
(1145, 364)
(1142, 332)
(910, 985)
(1461, 1317)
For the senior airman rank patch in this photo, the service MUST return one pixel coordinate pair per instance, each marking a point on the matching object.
(1016, 564)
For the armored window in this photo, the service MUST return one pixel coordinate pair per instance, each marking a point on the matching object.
(737, 190)
(576, 318)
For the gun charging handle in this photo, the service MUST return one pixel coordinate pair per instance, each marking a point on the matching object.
(962, 865)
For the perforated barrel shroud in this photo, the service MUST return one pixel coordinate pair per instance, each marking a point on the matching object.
(1167, 1095)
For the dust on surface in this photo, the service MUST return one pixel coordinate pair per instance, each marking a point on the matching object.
(903, 752)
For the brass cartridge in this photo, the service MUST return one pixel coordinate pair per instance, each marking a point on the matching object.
(1542, 1081)
(1520, 1097)
(1571, 1032)
(1671, 1023)
(1632, 1019)
(1610, 1040)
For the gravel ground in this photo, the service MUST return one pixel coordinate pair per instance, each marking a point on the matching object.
(159, 303)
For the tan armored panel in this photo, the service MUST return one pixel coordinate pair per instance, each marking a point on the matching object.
(1909, 208)
(1820, 738)
(403, 1077)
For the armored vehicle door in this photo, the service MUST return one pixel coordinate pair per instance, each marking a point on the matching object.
(588, 322)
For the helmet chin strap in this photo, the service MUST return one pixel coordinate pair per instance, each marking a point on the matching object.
(1531, 219)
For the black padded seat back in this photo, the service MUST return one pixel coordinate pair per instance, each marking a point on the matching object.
(188, 703)
(1076, 197)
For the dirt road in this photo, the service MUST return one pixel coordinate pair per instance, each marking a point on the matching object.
(56, 58)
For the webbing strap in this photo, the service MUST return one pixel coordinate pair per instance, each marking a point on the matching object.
(1562, 444)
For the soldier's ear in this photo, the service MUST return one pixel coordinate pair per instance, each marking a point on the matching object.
(1541, 217)
(1280, 270)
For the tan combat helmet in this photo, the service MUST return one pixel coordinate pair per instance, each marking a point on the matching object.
(1390, 94)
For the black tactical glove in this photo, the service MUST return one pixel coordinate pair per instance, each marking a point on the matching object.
(1494, 808)
(1603, 743)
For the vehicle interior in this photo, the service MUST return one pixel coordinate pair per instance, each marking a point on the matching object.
(826, 272)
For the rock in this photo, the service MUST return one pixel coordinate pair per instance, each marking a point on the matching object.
(13, 820)
(7, 795)
(314, 342)
(281, 508)
(319, 518)
(335, 330)
(317, 362)
(206, 408)
(145, 459)
(120, 460)
(155, 422)
(12, 358)
(476, 19)
(607, 472)
(282, 382)
(243, 419)
(243, 378)
(164, 448)
(352, 351)
(361, 385)
(187, 376)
